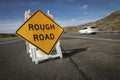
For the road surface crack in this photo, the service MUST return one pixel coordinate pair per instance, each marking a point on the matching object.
(80, 71)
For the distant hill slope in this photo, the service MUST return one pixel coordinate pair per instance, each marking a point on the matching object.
(6, 35)
(110, 22)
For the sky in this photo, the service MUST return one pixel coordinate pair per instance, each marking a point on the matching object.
(65, 12)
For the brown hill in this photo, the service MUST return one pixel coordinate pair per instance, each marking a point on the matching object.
(109, 23)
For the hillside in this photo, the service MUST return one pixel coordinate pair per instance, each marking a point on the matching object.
(5, 35)
(109, 23)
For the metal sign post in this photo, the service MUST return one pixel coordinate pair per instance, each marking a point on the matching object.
(37, 54)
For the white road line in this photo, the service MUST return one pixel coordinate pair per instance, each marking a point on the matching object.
(10, 41)
(92, 38)
(103, 39)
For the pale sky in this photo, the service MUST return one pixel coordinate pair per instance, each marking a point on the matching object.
(65, 12)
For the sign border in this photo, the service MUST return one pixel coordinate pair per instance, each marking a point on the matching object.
(32, 42)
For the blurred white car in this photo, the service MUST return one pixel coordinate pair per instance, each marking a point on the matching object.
(88, 30)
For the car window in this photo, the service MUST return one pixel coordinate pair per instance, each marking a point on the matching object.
(84, 28)
(93, 27)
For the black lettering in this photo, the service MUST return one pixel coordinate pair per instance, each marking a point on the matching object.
(51, 36)
(30, 27)
(42, 27)
(52, 26)
(36, 38)
(41, 37)
(46, 37)
(36, 26)
(47, 26)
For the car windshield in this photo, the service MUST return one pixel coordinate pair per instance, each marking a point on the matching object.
(84, 28)
(93, 27)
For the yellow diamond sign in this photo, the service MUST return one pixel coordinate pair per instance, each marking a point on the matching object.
(41, 31)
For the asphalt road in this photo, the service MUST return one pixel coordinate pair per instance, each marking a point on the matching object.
(99, 36)
(86, 57)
